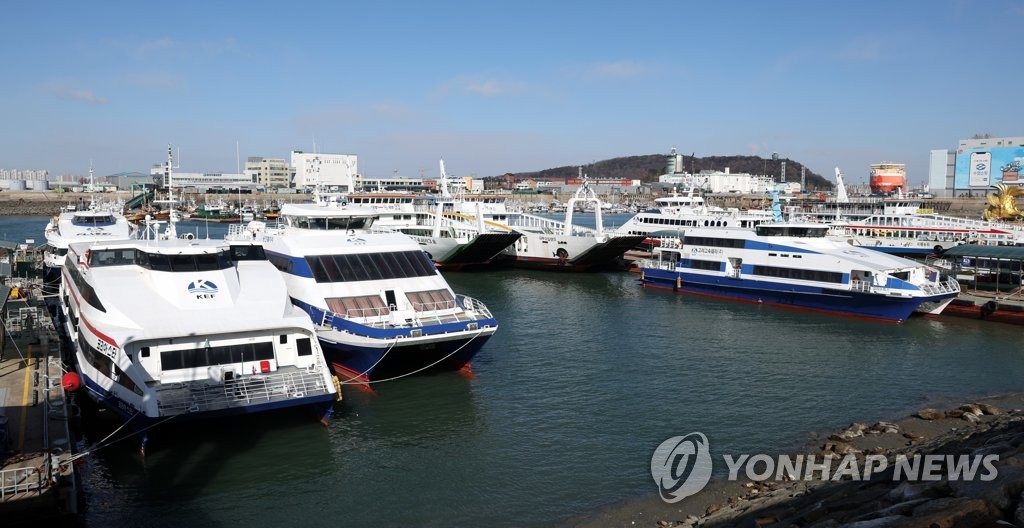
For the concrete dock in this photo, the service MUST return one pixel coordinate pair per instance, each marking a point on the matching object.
(37, 481)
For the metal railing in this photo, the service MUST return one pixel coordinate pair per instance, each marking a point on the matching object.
(471, 310)
(199, 396)
(21, 481)
(948, 286)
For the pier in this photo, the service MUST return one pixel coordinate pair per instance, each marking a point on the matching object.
(37, 481)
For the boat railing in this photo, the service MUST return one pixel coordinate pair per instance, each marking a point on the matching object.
(546, 225)
(21, 481)
(860, 286)
(199, 396)
(938, 288)
(667, 265)
(375, 317)
(472, 305)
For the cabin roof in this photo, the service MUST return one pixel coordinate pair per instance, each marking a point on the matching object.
(975, 250)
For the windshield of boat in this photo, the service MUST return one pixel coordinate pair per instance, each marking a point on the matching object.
(216, 260)
(792, 230)
(330, 223)
(93, 220)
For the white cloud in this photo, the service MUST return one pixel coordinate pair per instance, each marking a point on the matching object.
(145, 48)
(619, 69)
(493, 87)
(67, 90)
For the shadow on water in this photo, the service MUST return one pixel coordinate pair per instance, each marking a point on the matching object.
(187, 465)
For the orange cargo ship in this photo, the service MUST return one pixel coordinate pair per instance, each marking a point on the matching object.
(887, 177)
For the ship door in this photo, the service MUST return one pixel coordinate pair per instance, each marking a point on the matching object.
(389, 297)
(735, 267)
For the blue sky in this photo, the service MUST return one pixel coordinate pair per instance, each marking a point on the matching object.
(503, 86)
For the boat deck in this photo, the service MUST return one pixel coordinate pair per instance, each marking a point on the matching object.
(37, 482)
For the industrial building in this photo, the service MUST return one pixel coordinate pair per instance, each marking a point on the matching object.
(975, 166)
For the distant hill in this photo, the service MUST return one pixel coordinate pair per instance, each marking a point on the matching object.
(648, 168)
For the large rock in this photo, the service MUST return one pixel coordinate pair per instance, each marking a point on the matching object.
(953, 512)
(989, 409)
(930, 414)
(1000, 492)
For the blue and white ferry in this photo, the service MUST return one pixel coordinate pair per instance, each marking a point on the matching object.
(380, 306)
(794, 264)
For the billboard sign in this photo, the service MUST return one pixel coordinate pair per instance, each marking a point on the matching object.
(982, 167)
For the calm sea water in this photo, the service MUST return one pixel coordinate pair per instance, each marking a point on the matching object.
(586, 375)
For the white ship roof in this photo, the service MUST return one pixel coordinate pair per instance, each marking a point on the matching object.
(140, 303)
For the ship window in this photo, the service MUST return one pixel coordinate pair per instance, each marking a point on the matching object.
(431, 300)
(305, 348)
(104, 364)
(206, 262)
(358, 306)
(799, 274)
(218, 355)
(248, 252)
(283, 339)
(710, 265)
(370, 266)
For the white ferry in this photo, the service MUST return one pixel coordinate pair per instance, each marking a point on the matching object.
(181, 329)
(687, 209)
(449, 240)
(547, 243)
(99, 221)
(379, 304)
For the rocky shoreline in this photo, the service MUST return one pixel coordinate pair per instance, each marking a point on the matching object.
(989, 427)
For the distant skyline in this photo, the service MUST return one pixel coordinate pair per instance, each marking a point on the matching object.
(496, 87)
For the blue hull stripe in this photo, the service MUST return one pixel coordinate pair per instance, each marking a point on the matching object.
(363, 360)
(816, 298)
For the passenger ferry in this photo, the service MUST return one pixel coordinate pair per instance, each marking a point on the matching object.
(379, 304)
(98, 221)
(450, 240)
(182, 329)
(687, 209)
(551, 244)
(794, 264)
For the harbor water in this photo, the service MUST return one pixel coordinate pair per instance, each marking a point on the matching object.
(586, 375)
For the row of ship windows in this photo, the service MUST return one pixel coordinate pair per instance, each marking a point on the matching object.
(772, 271)
(177, 263)
(84, 288)
(104, 364)
(222, 355)
(370, 266)
(696, 223)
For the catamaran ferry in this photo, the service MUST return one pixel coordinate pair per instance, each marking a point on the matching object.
(181, 329)
(794, 264)
(379, 304)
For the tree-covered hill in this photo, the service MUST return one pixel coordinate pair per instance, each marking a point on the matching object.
(648, 168)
